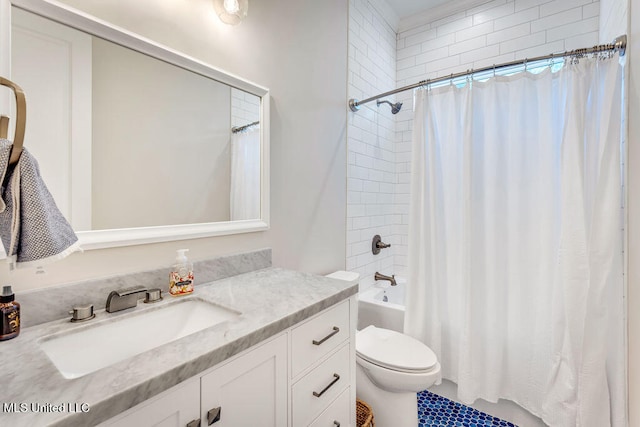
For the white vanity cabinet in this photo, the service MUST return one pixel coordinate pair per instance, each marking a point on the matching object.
(304, 376)
(248, 391)
(323, 362)
(176, 407)
(245, 389)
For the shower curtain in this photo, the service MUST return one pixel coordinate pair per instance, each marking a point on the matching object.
(515, 240)
(245, 174)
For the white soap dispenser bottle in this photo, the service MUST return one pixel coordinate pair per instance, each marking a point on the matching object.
(181, 275)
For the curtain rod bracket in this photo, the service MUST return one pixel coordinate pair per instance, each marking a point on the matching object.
(353, 105)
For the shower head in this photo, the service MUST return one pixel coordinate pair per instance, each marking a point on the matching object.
(395, 108)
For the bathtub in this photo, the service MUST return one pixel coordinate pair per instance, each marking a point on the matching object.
(382, 305)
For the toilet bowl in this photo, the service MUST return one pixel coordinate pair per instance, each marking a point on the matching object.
(391, 368)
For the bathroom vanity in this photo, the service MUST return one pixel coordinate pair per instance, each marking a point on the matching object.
(286, 359)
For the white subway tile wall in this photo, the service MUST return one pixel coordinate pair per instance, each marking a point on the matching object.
(245, 107)
(371, 169)
(379, 143)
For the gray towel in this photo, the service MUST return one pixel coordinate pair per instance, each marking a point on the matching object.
(33, 230)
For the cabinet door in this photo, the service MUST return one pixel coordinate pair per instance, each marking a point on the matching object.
(176, 407)
(250, 390)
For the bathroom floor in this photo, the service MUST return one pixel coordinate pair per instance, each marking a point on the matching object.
(437, 411)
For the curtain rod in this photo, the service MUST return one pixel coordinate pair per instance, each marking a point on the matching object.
(237, 129)
(618, 45)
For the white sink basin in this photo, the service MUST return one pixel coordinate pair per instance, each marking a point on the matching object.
(84, 351)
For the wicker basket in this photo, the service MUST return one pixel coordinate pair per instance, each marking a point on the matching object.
(364, 414)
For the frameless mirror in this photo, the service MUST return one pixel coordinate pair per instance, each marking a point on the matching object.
(137, 142)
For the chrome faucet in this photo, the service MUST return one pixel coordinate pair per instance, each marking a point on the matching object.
(391, 278)
(124, 298)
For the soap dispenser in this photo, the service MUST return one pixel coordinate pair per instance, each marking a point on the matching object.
(10, 311)
(181, 275)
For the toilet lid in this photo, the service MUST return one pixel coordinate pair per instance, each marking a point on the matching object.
(394, 350)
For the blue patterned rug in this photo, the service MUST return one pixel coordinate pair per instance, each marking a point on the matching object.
(437, 411)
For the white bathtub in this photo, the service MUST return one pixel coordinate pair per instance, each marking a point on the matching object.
(382, 305)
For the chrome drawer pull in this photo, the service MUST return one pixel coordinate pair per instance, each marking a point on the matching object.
(336, 376)
(335, 331)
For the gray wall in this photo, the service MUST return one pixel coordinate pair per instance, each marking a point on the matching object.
(298, 49)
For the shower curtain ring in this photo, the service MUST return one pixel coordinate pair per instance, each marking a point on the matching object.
(494, 70)
(525, 65)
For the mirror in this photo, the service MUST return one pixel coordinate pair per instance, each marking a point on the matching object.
(135, 140)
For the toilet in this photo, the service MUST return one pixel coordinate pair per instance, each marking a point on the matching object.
(391, 368)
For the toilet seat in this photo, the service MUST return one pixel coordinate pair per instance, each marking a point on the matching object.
(394, 351)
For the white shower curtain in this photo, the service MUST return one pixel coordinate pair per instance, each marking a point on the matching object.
(245, 174)
(515, 240)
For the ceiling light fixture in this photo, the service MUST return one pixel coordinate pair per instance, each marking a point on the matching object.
(231, 12)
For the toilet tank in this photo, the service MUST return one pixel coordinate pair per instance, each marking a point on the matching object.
(347, 276)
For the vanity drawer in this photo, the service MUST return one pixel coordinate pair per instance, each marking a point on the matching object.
(318, 336)
(313, 393)
(337, 414)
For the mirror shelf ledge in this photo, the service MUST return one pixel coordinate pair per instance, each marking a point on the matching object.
(102, 239)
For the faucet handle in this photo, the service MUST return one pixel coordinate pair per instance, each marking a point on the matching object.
(80, 314)
(153, 295)
(377, 244)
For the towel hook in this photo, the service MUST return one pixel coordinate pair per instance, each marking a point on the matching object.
(21, 121)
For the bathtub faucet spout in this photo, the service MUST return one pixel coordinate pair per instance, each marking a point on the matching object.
(391, 278)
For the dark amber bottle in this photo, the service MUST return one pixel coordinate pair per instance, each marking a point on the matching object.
(10, 311)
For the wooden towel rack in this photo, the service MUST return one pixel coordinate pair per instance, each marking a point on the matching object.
(21, 121)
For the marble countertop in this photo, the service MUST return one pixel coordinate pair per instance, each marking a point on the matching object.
(270, 300)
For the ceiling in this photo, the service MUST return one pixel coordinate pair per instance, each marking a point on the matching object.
(405, 8)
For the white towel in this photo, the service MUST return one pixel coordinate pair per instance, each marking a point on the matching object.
(33, 230)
